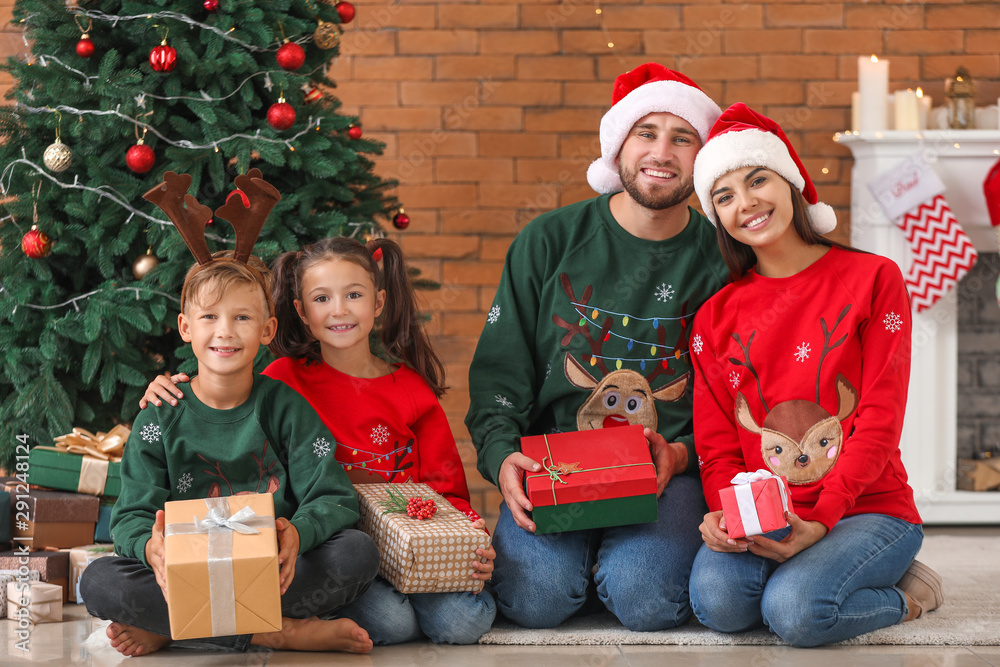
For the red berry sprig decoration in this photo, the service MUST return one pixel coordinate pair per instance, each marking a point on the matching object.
(415, 508)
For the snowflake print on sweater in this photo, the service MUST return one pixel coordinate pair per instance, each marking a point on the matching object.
(502, 400)
(150, 432)
(893, 322)
(802, 353)
(494, 315)
(697, 344)
(184, 483)
(321, 447)
(734, 379)
(380, 435)
(664, 292)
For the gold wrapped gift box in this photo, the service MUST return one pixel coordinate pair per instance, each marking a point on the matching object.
(221, 556)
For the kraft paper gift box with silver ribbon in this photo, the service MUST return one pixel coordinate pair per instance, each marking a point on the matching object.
(37, 601)
(221, 556)
(421, 556)
(756, 504)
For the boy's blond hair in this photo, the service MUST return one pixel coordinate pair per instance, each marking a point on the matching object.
(206, 283)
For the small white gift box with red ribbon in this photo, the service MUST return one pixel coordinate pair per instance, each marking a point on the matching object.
(755, 504)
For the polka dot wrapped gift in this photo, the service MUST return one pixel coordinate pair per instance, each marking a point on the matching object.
(431, 555)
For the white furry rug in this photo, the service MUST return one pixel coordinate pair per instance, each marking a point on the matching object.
(970, 616)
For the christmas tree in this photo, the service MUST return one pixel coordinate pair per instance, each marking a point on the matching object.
(111, 96)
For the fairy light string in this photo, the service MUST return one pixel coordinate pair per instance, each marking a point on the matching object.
(588, 315)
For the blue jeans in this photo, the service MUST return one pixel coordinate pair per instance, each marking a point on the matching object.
(838, 588)
(391, 617)
(641, 572)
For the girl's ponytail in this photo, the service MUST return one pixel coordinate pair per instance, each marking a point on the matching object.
(400, 331)
(293, 338)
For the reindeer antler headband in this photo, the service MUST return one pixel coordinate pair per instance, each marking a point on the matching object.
(190, 217)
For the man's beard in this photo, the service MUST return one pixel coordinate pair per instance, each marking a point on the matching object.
(657, 199)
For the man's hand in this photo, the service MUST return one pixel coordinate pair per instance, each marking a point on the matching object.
(483, 570)
(154, 552)
(288, 551)
(713, 532)
(163, 388)
(511, 480)
(804, 534)
(670, 458)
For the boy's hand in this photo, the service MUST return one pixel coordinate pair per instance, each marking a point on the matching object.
(484, 570)
(288, 552)
(669, 458)
(511, 480)
(154, 552)
(163, 388)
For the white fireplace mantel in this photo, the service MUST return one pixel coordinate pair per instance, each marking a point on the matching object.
(961, 158)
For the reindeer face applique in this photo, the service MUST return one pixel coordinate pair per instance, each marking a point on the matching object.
(622, 397)
(799, 439)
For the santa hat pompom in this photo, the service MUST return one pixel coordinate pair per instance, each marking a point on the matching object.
(649, 88)
(744, 138)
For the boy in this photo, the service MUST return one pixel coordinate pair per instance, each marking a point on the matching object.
(237, 432)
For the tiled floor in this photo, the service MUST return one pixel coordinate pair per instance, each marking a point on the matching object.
(62, 644)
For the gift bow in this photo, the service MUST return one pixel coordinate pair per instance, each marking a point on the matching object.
(749, 477)
(219, 518)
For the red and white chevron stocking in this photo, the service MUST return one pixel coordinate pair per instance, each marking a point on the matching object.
(942, 253)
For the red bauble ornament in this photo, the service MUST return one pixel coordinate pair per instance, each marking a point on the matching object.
(354, 132)
(291, 56)
(140, 158)
(36, 243)
(400, 220)
(163, 58)
(345, 10)
(85, 47)
(281, 115)
(310, 94)
(210, 5)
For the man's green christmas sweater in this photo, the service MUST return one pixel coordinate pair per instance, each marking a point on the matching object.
(272, 443)
(589, 329)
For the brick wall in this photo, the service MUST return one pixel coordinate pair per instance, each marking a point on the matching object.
(490, 109)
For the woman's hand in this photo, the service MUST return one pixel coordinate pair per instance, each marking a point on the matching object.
(163, 388)
(804, 534)
(713, 532)
(483, 568)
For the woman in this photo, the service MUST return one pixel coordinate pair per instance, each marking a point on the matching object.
(802, 365)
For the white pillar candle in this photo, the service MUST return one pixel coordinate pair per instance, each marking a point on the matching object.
(906, 111)
(873, 86)
(855, 111)
(924, 111)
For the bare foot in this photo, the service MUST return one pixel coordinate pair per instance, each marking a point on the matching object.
(313, 634)
(132, 641)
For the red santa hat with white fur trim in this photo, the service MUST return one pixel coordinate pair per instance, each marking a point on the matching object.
(649, 88)
(744, 138)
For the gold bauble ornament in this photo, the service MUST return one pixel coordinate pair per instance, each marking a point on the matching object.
(327, 35)
(57, 156)
(144, 264)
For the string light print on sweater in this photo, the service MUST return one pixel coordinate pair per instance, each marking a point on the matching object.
(799, 438)
(622, 396)
(386, 463)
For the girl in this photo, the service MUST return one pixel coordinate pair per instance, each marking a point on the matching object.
(385, 416)
(801, 367)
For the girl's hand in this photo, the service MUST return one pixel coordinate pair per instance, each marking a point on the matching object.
(484, 570)
(163, 388)
(288, 552)
(804, 534)
(713, 532)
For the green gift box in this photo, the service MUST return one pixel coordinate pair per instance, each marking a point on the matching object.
(57, 469)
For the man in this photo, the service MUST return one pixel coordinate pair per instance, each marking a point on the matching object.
(605, 284)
